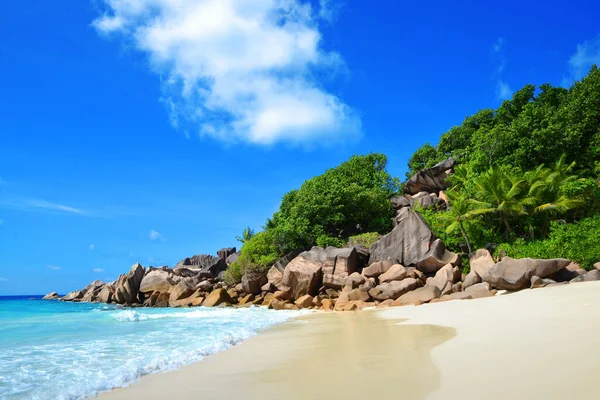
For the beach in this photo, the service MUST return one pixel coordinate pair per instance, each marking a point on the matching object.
(534, 344)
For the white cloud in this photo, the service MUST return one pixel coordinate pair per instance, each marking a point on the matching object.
(498, 45)
(98, 270)
(329, 9)
(92, 246)
(53, 267)
(238, 69)
(43, 205)
(587, 54)
(503, 91)
(155, 235)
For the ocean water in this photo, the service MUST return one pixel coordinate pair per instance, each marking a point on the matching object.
(56, 350)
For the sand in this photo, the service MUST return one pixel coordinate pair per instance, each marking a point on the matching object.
(535, 344)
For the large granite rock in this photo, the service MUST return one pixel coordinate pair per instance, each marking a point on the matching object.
(217, 297)
(396, 272)
(431, 179)
(128, 285)
(447, 274)
(481, 262)
(516, 274)
(421, 295)
(412, 243)
(76, 295)
(106, 293)
(252, 282)
(393, 290)
(303, 275)
(204, 263)
(377, 268)
(341, 262)
(185, 288)
(160, 280)
(51, 296)
(225, 253)
(275, 277)
(285, 260)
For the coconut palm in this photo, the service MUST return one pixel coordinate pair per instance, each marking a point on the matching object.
(460, 210)
(246, 235)
(500, 192)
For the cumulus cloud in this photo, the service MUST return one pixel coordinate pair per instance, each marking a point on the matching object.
(155, 235)
(53, 267)
(238, 70)
(587, 54)
(98, 270)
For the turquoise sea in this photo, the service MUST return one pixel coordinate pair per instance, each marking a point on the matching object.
(57, 350)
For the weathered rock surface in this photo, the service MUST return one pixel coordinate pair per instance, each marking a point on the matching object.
(128, 285)
(431, 179)
(410, 243)
(393, 290)
(275, 277)
(303, 275)
(377, 268)
(333, 281)
(106, 293)
(471, 279)
(593, 275)
(447, 274)
(515, 274)
(160, 280)
(396, 272)
(304, 301)
(226, 252)
(51, 296)
(481, 262)
(253, 281)
(217, 297)
(183, 289)
(203, 263)
(356, 279)
(73, 296)
(421, 295)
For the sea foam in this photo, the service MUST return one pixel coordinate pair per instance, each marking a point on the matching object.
(72, 351)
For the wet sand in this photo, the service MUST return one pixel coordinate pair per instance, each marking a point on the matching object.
(535, 344)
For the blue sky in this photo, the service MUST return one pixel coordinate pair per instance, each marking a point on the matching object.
(152, 130)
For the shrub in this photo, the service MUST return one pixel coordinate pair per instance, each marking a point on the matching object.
(577, 242)
(259, 252)
(366, 239)
(233, 274)
(326, 241)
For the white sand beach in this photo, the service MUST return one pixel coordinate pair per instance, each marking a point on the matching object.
(534, 344)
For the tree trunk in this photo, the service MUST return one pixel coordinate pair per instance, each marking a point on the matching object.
(462, 229)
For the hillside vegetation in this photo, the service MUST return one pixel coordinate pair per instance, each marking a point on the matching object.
(527, 184)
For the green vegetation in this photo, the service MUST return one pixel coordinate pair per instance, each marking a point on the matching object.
(577, 242)
(345, 201)
(512, 186)
(527, 180)
(535, 127)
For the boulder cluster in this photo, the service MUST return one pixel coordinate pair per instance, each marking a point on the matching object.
(408, 266)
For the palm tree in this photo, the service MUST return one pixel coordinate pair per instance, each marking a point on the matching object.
(499, 192)
(461, 209)
(246, 235)
(545, 188)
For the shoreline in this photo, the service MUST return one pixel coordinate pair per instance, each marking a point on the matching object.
(538, 343)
